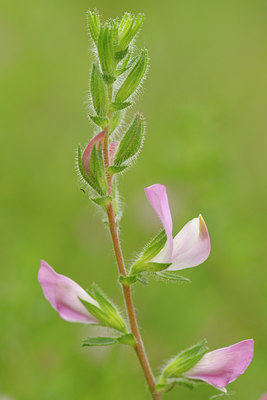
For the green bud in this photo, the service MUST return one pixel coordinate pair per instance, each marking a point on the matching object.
(97, 170)
(106, 52)
(99, 92)
(94, 24)
(128, 28)
(131, 141)
(134, 78)
(84, 175)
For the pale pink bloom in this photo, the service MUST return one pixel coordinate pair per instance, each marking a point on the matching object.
(264, 396)
(63, 294)
(191, 246)
(223, 366)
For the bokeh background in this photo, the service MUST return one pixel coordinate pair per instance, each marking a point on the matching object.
(205, 108)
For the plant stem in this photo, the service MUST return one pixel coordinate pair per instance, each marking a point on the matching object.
(139, 346)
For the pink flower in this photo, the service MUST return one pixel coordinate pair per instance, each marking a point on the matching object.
(97, 140)
(264, 396)
(191, 246)
(223, 366)
(63, 294)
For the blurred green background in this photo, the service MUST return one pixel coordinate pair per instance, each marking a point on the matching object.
(205, 107)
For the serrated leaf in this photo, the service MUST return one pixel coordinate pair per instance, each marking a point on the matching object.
(94, 24)
(115, 169)
(131, 141)
(172, 276)
(99, 92)
(99, 341)
(102, 201)
(134, 78)
(100, 121)
(116, 106)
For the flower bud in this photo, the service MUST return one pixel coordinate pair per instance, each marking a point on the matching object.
(106, 41)
(134, 78)
(128, 28)
(86, 158)
(94, 24)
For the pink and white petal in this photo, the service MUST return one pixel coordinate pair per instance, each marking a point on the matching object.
(88, 150)
(158, 198)
(63, 295)
(191, 246)
(223, 366)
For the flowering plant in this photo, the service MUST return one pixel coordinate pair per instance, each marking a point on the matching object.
(117, 74)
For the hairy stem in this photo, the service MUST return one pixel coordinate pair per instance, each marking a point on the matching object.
(139, 346)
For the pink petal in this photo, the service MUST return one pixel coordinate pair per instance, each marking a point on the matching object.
(63, 295)
(111, 151)
(158, 198)
(264, 397)
(223, 366)
(88, 150)
(191, 246)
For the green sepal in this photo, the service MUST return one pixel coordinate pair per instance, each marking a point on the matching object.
(99, 121)
(109, 79)
(94, 24)
(114, 319)
(102, 201)
(165, 387)
(115, 169)
(131, 141)
(188, 383)
(150, 251)
(84, 174)
(128, 280)
(99, 341)
(96, 312)
(119, 55)
(172, 276)
(115, 120)
(107, 38)
(127, 339)
(184, 361)
(134, 78)
(116, 106)
(99, 91)
(140, 267)
(127, 63)
(97, 169)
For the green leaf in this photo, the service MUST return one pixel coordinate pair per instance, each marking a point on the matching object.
(128, 280)
(119, 106)
(134, 78)
(131, 141)
(115, 169)
(96, 312)
(102, 201)
(112, 315)
(99, 92)
(127, 339)
(99, 341)
(172, 276)
(115, 120)
(97, 170)
(100, 121)
(94, 24)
